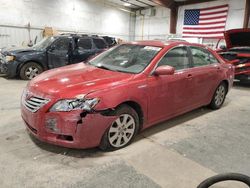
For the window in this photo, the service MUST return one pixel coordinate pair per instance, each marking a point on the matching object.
(212, 58)
(177, 58)
(100, 44)
(202, 57)
(126, 58)
(62, 44)
(84, 44)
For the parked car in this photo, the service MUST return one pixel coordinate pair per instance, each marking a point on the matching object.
(237, 52)
(110, 41)
(51, 52)
(122, 91)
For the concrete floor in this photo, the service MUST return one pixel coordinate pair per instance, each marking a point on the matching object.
(179, 153)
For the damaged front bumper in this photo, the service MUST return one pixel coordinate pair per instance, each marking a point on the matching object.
(75, 129)
(242, 70)
(8, 69)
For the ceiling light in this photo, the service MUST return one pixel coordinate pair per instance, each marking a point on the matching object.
(127, 4)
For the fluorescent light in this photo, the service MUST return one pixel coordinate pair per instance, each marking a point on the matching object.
(127, 4)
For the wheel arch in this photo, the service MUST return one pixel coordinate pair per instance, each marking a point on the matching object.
(137, 107)
(227, 84)
(29, 61)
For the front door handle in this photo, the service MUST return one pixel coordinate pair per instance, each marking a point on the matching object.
(189, 76)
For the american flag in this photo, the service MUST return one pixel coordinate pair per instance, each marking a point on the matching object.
(205, 23)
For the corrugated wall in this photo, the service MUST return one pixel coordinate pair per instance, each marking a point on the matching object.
(17, 36)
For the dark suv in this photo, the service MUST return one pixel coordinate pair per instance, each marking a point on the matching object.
(51, 52)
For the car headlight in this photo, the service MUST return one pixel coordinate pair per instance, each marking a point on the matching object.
(67, 105)
(9, 58)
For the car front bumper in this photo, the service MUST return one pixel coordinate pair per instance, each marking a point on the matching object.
(8, 69)
(67, 129)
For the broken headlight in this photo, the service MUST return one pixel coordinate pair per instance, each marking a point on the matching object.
(67, 105)
(9, 58)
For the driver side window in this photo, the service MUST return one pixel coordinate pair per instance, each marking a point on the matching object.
(62, 44)
(177, 58)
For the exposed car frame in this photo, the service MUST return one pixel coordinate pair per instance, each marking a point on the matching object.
(237, 52)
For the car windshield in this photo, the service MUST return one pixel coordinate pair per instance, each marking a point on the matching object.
(126, 58)
(44, 43)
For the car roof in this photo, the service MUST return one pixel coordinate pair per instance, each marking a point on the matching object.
(164, 43)
(78, 36)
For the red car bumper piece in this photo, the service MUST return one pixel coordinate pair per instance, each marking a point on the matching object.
(67, 129)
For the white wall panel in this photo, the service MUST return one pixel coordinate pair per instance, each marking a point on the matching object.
(85, 16)
(153, 27)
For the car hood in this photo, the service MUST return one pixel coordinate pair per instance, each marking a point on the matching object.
(237, 38)
(17, 50)
(73, 80)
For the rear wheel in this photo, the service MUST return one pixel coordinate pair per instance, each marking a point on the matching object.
(30, 70)
(122, 130)
(219, 96)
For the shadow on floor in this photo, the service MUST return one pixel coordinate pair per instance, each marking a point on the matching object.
(240, 85)
(96, 152)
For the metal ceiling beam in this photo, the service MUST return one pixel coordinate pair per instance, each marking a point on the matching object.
(126, 1)
(142, 2)
(165, 3)
(189, 2)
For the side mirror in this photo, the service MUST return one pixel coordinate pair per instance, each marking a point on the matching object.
(52, 48)
(164, 70)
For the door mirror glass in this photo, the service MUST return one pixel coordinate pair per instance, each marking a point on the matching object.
(52, 47)
(223, 47)
(164, 70)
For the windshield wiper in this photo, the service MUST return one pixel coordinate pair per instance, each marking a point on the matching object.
(104, 67)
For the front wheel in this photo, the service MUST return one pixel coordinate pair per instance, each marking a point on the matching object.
(30, 70)
(122, 130)
(219, 96)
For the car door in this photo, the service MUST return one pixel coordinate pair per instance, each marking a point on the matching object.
(205, 74)
(100, 45)
(83, 50)
(58, 53)
(170, 94)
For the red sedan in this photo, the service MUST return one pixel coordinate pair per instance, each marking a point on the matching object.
(108, 100)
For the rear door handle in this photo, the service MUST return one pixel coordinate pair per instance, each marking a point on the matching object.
(189, 76)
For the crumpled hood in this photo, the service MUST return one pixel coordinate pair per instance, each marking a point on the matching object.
(17, 50)
(237, 38)
(69, 81)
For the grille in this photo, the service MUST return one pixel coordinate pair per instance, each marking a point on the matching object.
(35, 103)
(2, 58)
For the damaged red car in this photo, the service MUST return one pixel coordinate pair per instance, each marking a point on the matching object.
(108, 100)
(237, 52)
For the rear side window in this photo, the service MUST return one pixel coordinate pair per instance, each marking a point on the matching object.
(99, 43)
(84, 44)
(202, 57)
(212, 58)
(177, 58)
(62, 44)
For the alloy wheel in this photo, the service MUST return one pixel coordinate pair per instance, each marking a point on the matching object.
(220, 95)
(121, 130)
(31, 72)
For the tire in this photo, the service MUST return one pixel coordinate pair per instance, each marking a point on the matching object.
(120, 134)
(225, 177)
(218, 97)
(30, 70)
